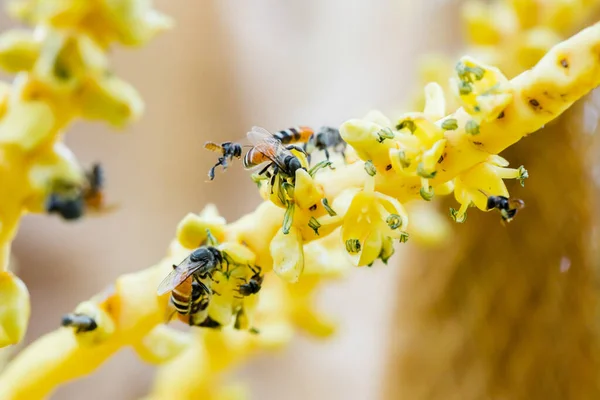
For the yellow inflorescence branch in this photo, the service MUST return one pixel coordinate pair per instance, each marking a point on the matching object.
(62, 73)
(296, 231)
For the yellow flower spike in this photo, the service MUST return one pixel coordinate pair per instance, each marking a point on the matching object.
(111, 99)
(192, 229)
(162, 344)
(369, 141)
(19, 50)
(14, 309)
(288, 255)
(488, 23)
(483, 90)
(435, 103)
(27, 124)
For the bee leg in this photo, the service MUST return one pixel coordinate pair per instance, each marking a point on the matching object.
(205, 288)
(297, 148)
(275, 172)
(326, 154)
(211, 173)
(264, 170)
(343, 153)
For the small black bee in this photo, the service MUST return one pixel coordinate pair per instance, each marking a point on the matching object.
(254, 283)
(508, 207)
(228, 151)
(81, 322)
(325, 139)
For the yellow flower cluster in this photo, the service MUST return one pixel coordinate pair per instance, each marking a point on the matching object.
(61, 73)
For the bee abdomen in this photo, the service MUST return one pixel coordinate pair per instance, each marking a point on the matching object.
(296, 134)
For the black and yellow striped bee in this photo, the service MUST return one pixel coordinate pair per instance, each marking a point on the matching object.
(269, 150)
(228, 150)
(296, 134)
(190, 295)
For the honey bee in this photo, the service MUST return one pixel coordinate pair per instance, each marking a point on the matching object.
(508, 207)
(72, 201)
(228, 151)
(268, 149)
(326, 138)
(198, 266)
(254, 283)
(297, 134)
(81, 322)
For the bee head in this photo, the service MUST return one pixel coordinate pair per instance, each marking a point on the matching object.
(294, 165)
(218, 256)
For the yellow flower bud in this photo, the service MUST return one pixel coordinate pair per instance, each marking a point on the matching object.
(14, 309)
(27, 124)
(162, 345)
(306, 193)
(111, 99)
(435, 103)
(19, 50)
(368, 140)
(192, 229)
(288, 255)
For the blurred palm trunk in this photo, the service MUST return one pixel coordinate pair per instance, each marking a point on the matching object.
(510, 312)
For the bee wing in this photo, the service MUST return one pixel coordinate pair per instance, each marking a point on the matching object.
(179, 275)
(267, 144)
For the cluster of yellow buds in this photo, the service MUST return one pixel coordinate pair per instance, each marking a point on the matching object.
(61, 73)
(311, 227)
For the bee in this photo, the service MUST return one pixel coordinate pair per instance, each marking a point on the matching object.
(198, 266)
(326, 138)
(72, 201)
(254, 283)
(508, 207)
(297, 134)
(81, 322)
(69, 208)
(268, 149)
(228, 150)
